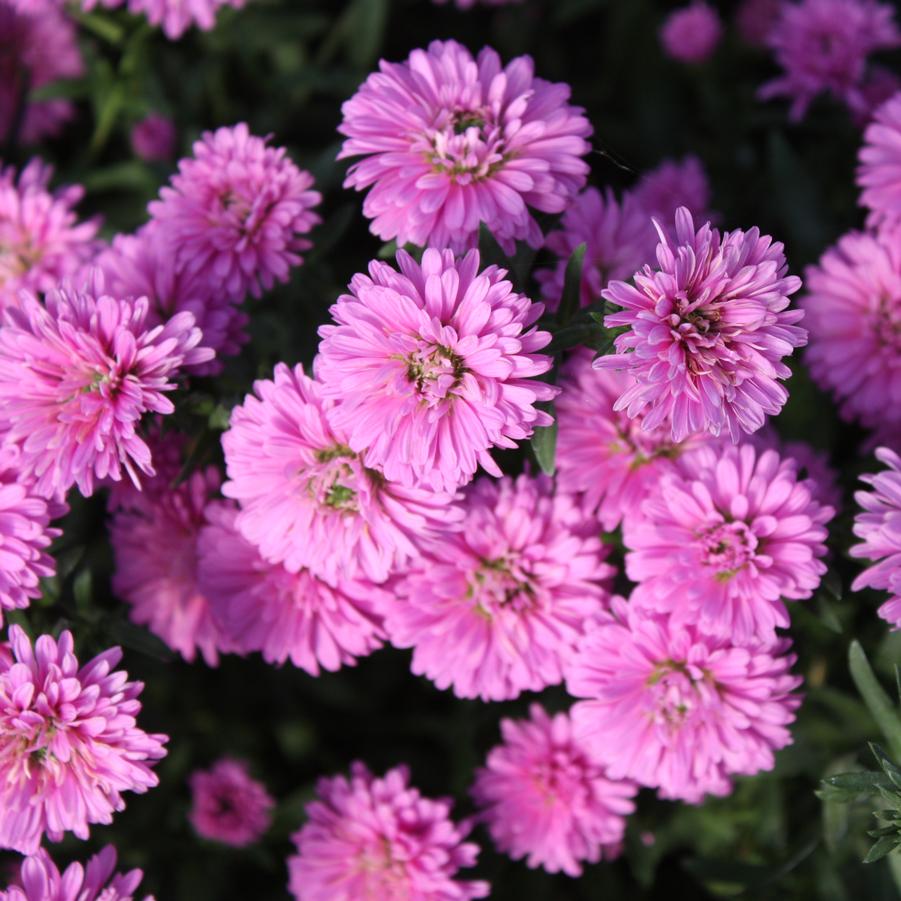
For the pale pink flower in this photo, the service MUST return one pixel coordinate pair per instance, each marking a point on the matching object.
(41, 880)
(545, 799)
(379, 838)
(229, 806)
(691, 33)
(307, 499)
(495, 609)
(879, 172)
(236, 212)
(451, 142)
(153, 138)
(69, 741)
(602, 454)
(823, 46)
(77, 374)
(707, 331)
(434, 366)
(175, 17)
(879, 526)
(679, 711)
(853, 312)
(41, 240)
(260, 606)
(721, 544)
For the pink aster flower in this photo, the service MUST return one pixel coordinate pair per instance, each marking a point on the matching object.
(25, 536)
(40, 880)
(602, 454)
(307, 499)
(260, 606)
(690, 34)
(69, 741)
(707, 331)
(228, 805)
(674, 183)
(433, 367)
(41, 240)
(879, 173)
(143, 265)
(544, 799)
(236, 212)
(853, 312)
(77, 374)
(495, 609)
(679, 711)
(450, 142)
(38, 46)
(755, 20)
(379, 838)
(154, 541)
(822, 46)
(879, 526)
(721, 544)
(153, 138)
(618, 238)
(175, 17)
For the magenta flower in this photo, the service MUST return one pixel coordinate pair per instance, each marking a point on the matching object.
(260, 606)
(77, 374)
(755, 19)
(450, 142)
(40, 880)
(236, 212)
(690, 34)
(369, 837)
(143, 265)
(721, 544)
(41, 240)
(175, 17)
(618, 236)
(822, 46)
(307, 499)
(602, 454)
(495, 609)
(671, 184)
(154, 541)
(69, 741)
(434, 366)
(706, 332)
(153, 138)
(879, 526)
(469, 4)
(853, 312)
(879, 173)
(679, 711)
(38, 46)
(544, 799)
(228, 805)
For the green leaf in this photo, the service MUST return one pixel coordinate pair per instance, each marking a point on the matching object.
(544, 446)
(885, 845)
(572, 285)
(99, 25)
(366, 29)
(878, 702)
(135, 638)
(888, 765)
(852, 784)
(490, 252)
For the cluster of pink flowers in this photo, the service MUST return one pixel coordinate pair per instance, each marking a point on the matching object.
(175, 17)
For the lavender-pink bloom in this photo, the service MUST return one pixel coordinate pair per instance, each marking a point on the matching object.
(720, 544)
(671, 184)
(307, 499)
(41, 880)
(69, 741)
(41, 240)
(690, 34)
(853, 312)
(679, 711)
(236, 212)
(707, 331)
(175, 17)
(76, 376)
(379, 838)
(544, 799)
(434, 366)
(495, 609)
(822, 46)
(879, 526)
(879, 173)
(228, 805)
(755, 19)
(260, 606)
(451, 142)
(153, 138)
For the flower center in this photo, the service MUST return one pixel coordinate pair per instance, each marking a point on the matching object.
(727, 548)
(435, 371)
(465, 144)
(502, 584)
(674, 692)
(330, 480)
(888, 322)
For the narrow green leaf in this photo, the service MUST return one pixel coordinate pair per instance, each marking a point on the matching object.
(878, 702)
(885, 845)
(544, 446)
(101, 26)
(388, 251)
(572, 285)
(857, 783)
(887, 764)
(490, 252)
